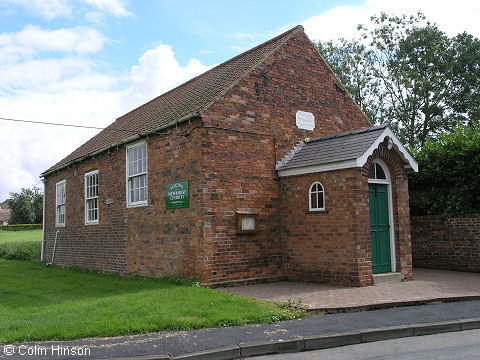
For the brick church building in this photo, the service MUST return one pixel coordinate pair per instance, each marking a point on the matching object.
(262, 168)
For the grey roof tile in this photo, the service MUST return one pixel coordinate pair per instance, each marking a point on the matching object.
(333, 148)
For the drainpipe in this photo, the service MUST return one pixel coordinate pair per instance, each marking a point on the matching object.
(54, 248)
(43, 218)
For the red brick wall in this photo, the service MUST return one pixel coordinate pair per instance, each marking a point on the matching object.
(239, 174)
(161, 241)
(239, 166)
(326, 246)
(267, 99)
(148, 240)
(440, 242)
(99, 246)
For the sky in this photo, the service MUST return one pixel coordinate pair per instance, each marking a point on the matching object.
(86, 62)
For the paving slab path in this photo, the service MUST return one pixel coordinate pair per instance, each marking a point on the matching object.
(427, 286)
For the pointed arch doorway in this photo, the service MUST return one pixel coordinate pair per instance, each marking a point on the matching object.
(381, 218)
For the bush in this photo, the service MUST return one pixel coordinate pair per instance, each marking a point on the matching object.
(449, 176)
(20, 250)
(20, 227)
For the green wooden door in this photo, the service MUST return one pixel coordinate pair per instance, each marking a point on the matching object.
(380, 228)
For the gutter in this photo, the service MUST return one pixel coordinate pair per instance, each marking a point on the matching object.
(125, 141)
(43, 218)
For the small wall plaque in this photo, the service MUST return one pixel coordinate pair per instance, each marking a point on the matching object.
(109, 201)
(305, 120)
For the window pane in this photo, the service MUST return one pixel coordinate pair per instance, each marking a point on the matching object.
(313, 200)
(380, 172)
(371, 172)
(320, 200)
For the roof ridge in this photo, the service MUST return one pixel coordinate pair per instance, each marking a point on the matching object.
(351, 132)
(222, 64)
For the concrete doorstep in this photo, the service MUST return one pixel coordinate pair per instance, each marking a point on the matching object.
(298, 344)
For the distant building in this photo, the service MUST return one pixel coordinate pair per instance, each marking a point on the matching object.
(4, 205)
(4, 213)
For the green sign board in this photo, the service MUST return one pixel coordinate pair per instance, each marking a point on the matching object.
(176, 194)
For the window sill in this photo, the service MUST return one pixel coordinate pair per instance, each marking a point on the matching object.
(316, 212)
(91, 223)
(137, 204)
(59, 225)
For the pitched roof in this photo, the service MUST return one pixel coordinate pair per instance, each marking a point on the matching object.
(332, 148)
(182, 102)
(340, 151)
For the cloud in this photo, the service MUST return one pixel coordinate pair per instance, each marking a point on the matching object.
(342, 21)
(157, 72)
(48, 9)
(29, 149)
(79, 39)
(115, 7)
(51, 9)
(71, 89)
(33, 39)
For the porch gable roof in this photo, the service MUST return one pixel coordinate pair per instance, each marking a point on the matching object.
(340, 151)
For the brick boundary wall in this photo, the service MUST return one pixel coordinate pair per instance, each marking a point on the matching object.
(440, 242)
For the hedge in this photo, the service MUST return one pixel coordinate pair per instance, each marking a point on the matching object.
(448, 181)
(20, 227)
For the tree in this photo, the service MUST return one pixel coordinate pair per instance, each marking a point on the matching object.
(465, 97)
(415, 77)
(26, 207)
(350, 61)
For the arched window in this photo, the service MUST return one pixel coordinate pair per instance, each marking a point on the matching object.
(316, 197)
(376, 172)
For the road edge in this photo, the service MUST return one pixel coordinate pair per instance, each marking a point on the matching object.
(319, 342)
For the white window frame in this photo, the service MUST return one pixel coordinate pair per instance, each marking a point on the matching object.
(310, 192)
(130, 177)
(87, 198)
(59, 204)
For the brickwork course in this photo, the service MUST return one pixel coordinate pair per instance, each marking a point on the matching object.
(448, 243)
(225, 132)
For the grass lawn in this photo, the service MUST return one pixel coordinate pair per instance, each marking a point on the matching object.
(30, 235)
(39, 303)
